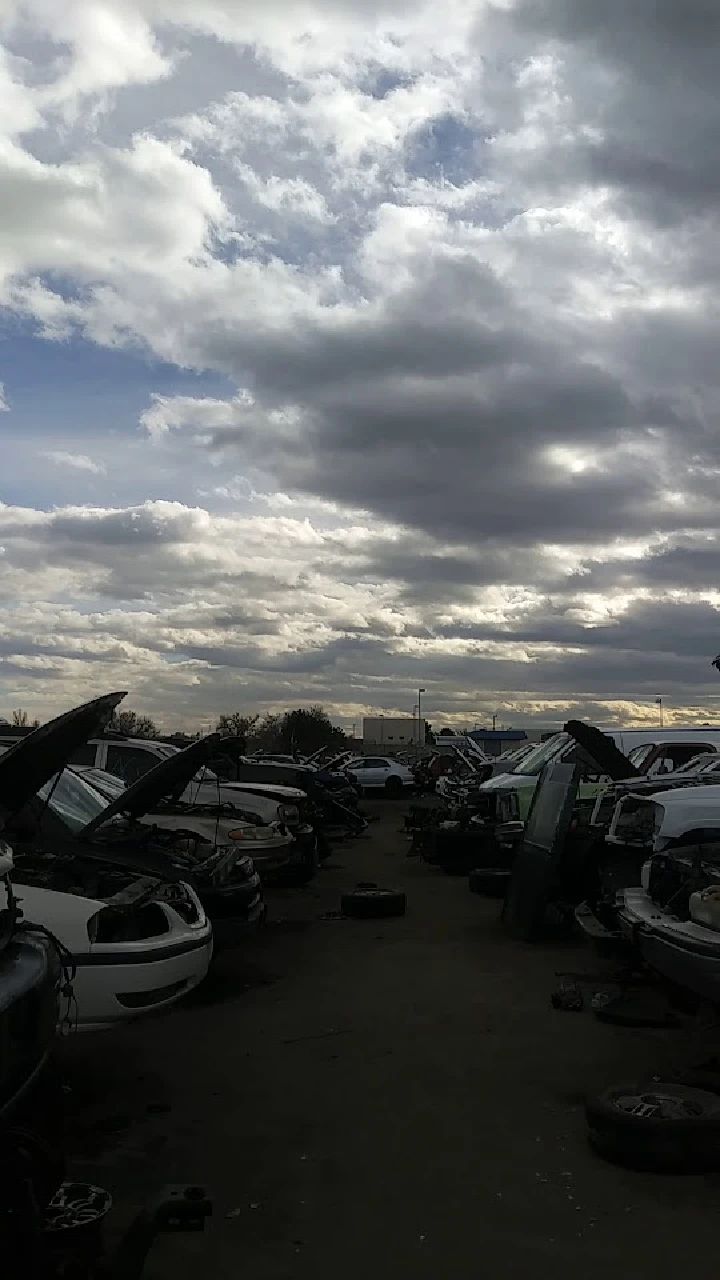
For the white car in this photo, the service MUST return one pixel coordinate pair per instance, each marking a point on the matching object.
(136, 947)
(131, 758)
(380, 773)
(134, 932)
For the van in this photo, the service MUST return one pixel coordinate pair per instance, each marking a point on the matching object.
(652, 751)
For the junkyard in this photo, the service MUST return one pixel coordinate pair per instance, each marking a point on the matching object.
(407, 1057)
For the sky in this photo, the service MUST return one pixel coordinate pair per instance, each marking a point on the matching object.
(347, 351)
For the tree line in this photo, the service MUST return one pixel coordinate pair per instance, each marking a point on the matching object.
(301, 731)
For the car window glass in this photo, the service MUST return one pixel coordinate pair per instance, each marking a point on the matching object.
(83, 755)
(72, 800)
(673, 756)
(376, 764)
(536, 759)
(130, 763)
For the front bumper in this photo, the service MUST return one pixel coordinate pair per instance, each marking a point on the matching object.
(269, 860)
(110, 989)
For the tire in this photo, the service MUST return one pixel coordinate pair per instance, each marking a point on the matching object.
(662, 1127)
(393, 786)
(372, 903)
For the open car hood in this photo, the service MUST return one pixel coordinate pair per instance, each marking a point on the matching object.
(169, 777)
(33, 760)
(601, 750)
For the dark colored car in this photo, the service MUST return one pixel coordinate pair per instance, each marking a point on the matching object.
(29, 976)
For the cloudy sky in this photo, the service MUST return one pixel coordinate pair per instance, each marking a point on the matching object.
(355, 345)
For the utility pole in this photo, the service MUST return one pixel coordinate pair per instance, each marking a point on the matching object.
(494, 722)
(659, 703)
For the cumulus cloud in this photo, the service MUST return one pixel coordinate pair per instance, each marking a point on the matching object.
(78, 461)
(457, 282)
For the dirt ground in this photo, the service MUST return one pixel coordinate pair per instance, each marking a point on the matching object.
(390, 1099)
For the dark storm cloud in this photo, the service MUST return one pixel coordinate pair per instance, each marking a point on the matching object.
(660, 112)
(429, 441)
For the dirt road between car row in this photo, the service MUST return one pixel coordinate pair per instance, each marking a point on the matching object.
(385, 1099)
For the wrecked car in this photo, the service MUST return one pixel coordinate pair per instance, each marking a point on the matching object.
(71, 817)
(216, 818)
(668, 916)
(133, 929)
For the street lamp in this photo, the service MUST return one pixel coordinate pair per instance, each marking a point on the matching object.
(415, 711)
(419, 705)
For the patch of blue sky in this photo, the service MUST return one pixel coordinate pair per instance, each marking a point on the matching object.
(445, 148)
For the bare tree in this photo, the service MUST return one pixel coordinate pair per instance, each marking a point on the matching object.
(132, 725)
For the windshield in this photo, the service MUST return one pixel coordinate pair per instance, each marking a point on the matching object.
(106, 783)
(639, 754)
(536, 759)
(72, 800)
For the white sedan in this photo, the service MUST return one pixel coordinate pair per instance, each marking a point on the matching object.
(380, 773)
(135, 951)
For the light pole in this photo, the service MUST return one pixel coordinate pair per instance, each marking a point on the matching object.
(382, 730)
(415, 707)
(419, 707)
(659, 702)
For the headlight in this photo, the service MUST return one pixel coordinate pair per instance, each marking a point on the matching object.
(251, 833)
(290, 814)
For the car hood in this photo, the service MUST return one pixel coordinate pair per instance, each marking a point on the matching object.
(32, 761)
(171, 775)
(269, 789)
(601, 750)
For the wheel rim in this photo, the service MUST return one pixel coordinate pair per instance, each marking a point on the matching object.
(654, 1104)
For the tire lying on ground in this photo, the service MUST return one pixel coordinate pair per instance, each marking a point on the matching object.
(367, 902)
(658, 1127)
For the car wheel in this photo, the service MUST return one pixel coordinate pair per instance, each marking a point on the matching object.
(393, 785)
(668, 1128)
(370, 903)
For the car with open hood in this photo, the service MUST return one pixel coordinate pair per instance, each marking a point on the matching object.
(132, 928)
(211, 851)
(216, 819)
(605, 754)
(130, 759)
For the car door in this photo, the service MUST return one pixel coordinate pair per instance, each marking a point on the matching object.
(376, 772)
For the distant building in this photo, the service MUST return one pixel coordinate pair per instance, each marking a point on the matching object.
(494, 741)
(384, 731)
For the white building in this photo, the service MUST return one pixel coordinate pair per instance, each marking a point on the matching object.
(391, 733)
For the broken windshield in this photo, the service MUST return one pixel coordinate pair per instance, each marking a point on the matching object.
(536, 759)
